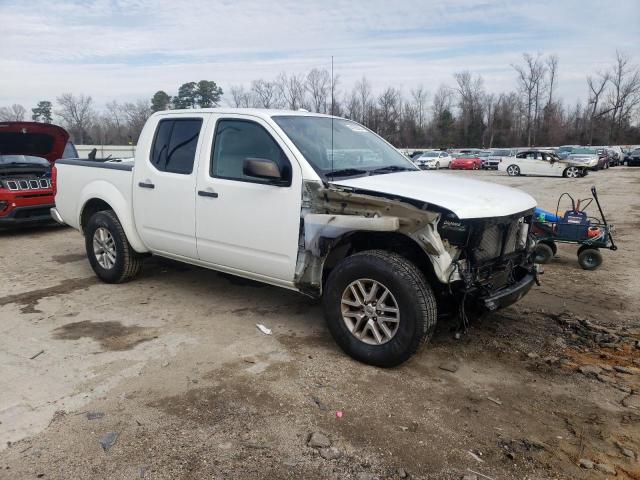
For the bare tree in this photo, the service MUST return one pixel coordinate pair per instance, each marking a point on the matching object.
(442, 100)
(318, 84)
(352, 108)
(530, 76)
(265, 93)
(552, 68)
(136, 114)
(389, 108)
(363, 91)
(292, 89)
(241, 98)
(77, 114)
(419, 96)
(625, 94)
(596, 88)
(471, 93)
(14, 113)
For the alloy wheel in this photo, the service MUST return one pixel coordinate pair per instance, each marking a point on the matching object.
(370, 311)
(104, 248)
(572, 172)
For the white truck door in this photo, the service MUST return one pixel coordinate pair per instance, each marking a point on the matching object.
(248, 224)
(164, 186)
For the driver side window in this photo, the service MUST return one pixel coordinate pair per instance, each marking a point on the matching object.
(237, 140)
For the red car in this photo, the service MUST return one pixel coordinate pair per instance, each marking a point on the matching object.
(28, 150)
(466, 162)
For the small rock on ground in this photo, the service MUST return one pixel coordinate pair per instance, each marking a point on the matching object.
(470, 477)
(584, 463)
(449, 367)
(627, 370)
(605, 468)
(402, 473)
(589, 369)
(108, 440)
(319, 440)
(330, 453)
(632, 401)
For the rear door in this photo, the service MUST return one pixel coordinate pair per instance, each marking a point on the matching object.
(248, 225)
(164, 185)
(526, 162)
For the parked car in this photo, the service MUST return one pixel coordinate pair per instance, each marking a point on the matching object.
(541, 162)
(466, 161)
(605, 158)
(435, 159)
(27, 152)
(497, 155)
(616, 156)
(633, 158)
(565, 150)
(484, 156)
(315, 204)
(585, 156)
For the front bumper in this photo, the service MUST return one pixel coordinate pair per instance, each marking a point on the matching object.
(509, 295)
(27, 215)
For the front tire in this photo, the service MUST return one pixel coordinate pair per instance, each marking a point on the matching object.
(110, 254)
(379, 307)
(437, 165)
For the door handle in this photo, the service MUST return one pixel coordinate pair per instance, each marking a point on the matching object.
(204, 193)
(146, 185)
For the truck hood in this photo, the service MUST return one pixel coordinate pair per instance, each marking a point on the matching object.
(32, 138)
(465, 197)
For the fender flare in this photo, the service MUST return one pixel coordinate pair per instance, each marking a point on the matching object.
(108, 193)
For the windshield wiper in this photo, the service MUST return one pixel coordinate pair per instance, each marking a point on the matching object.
(346, 172)
(392, 168)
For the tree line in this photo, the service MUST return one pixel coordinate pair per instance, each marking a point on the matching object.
(462, 113)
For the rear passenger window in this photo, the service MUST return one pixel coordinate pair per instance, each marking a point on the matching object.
(237, 140)
(174, 147)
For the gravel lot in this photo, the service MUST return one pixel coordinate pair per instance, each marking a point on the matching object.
(172, 375)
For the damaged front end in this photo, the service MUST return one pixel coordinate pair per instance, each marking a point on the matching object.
(486, 261)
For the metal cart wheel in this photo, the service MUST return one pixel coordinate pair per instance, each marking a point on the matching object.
(589, 258)
(543, 253)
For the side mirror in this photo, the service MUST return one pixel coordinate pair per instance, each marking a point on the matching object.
(261, 168)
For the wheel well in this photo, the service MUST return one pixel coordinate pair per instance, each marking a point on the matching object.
(92, 206)
(391, 241)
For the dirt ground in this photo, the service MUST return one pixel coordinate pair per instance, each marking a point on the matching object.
(171, 374)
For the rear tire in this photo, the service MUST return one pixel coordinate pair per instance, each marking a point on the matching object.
(542, 253)
(409, 291)
(571, 172)
(513, 170)
(589, 258)
(110, 254)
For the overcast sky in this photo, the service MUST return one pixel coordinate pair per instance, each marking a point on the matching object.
(128, 49)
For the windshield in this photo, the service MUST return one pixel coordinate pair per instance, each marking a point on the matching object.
(431, 155)
(584, 151)
(356, 150)
(23, 159)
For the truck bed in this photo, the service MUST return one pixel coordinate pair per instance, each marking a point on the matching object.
(79, 180)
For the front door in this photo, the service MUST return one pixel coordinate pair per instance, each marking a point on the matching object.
(164, 186)
(247, 224)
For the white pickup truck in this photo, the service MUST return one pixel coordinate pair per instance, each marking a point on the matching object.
(313, 203)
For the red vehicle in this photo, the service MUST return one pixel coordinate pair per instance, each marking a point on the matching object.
(466, 162)
(28, 151)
